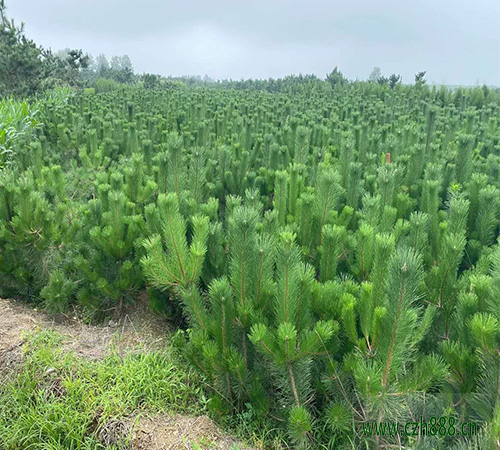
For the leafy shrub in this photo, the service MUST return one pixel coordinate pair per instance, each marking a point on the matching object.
(17, 122)
(105, 85)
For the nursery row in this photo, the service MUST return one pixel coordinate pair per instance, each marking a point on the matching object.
(330, 257)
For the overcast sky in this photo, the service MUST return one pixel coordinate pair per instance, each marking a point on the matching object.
(455, 41)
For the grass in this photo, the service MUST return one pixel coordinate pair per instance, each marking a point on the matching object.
(55, 400)
(59, 401)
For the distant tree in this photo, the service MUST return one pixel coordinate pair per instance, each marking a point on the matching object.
(61, 54)
(65, 66)
(74, 63)
(88, 74)
(115, 63)
(419, 78)
(394, 80)
(336, 78)
(78, 60)
(486, 90)
(121, 69)
(127, 70)
(375, 75)
(26, 68)
(102, 65)
(21, 60)
(126, 63)
(383, 81)
(91, 65)
(150, 80)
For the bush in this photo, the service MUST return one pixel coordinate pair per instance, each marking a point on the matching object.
(105, 85)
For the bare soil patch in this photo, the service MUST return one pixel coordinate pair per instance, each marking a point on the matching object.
(137, 330)
(179, 433)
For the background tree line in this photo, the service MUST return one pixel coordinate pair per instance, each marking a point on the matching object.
(27, 68)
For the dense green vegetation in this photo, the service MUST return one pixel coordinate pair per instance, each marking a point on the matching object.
(330, 250)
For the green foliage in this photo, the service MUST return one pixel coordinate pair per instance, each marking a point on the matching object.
(394, 80)
(18, 122)
(419, 79)
(21, 60)
(105, 85)
(320, 284)
(107, 258)
(27, 68)
(336, 78)
(182, 265)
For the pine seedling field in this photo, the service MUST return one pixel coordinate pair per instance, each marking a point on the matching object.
(330, 255)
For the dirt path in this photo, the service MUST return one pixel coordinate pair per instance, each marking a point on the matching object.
(138, 329)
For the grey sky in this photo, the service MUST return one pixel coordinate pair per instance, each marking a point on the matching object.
(456, 41)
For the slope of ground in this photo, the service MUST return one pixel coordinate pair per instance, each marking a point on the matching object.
(138, 332)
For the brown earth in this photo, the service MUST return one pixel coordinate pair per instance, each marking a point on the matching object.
(138, 329)
(178, 432)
